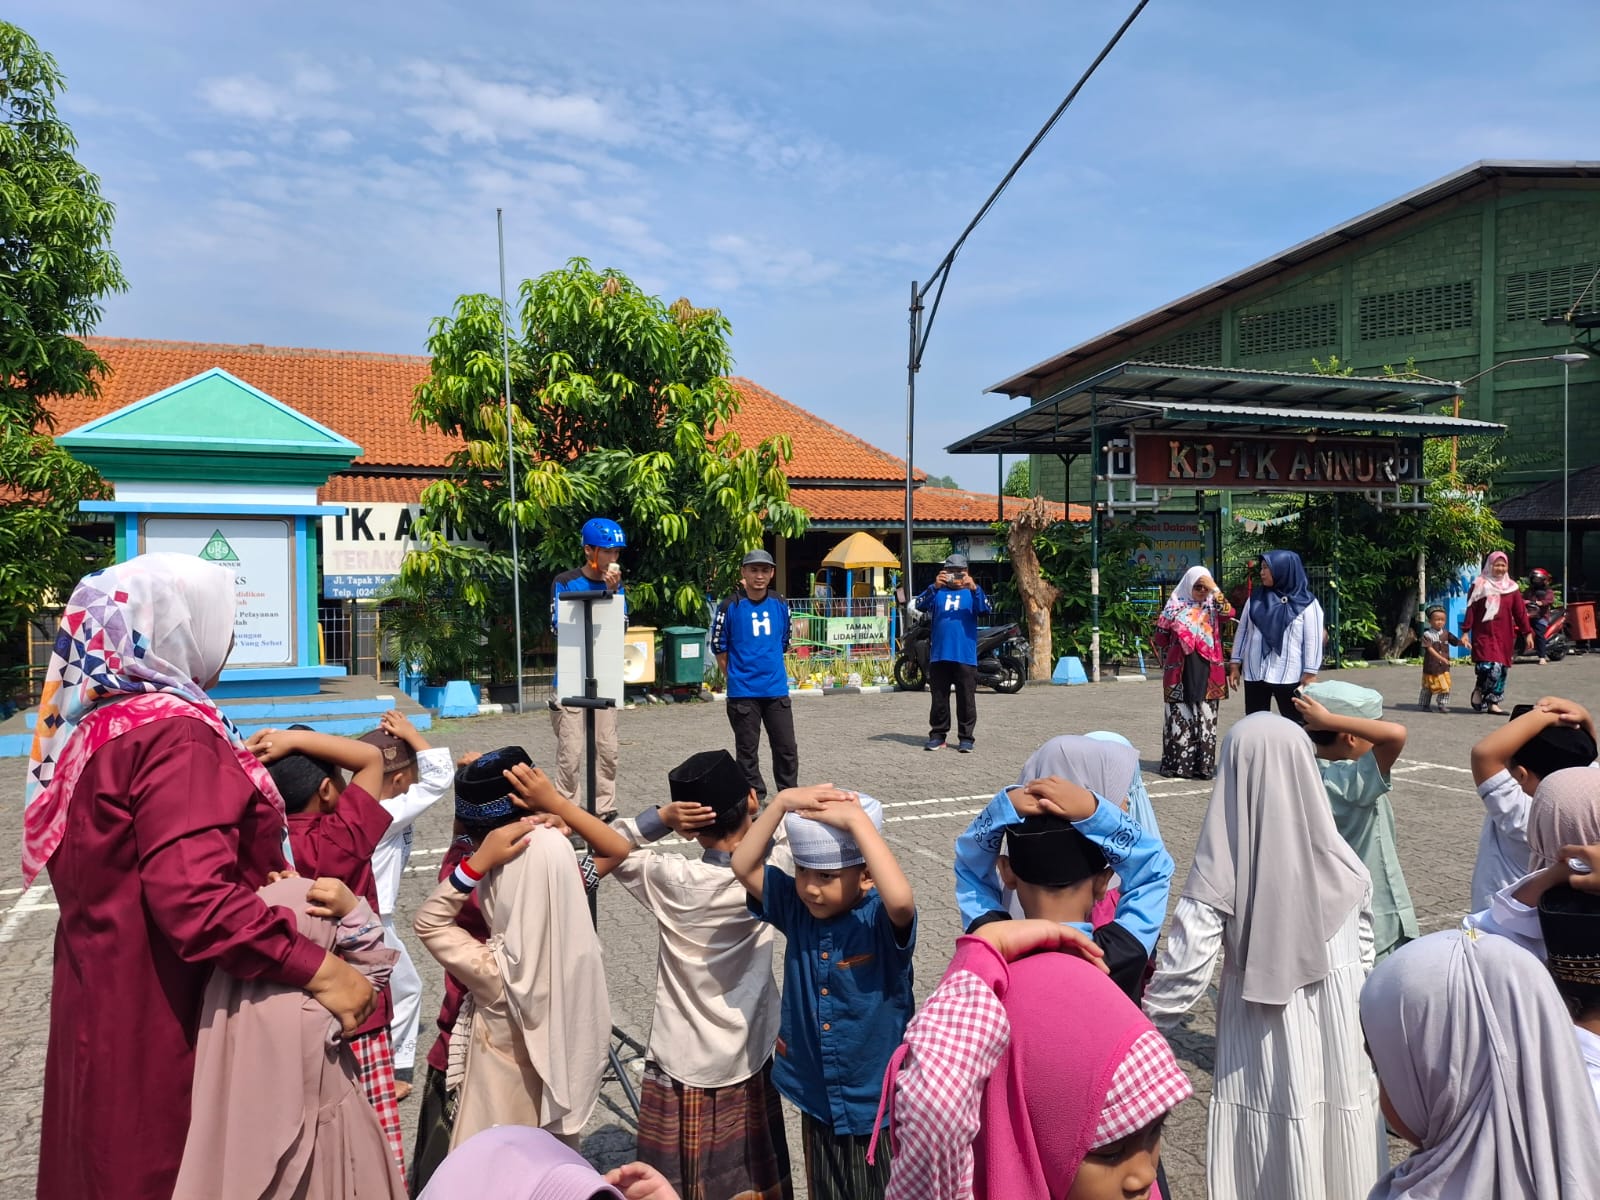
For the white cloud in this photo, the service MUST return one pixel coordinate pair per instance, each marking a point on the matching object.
(738, 261)
(333, 140)
(454, 103)
(221, 160)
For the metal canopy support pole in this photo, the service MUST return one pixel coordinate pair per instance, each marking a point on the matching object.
(1566, 535)
(511, 460)
(1094, 537)
(913, 362)
(1338, 634)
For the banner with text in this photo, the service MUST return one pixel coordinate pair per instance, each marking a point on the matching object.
(857, 631)
(362, 550)
(1172, 544)
(1275, 464)
(260, 553)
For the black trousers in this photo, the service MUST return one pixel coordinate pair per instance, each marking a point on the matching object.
(942, 676)
(1258, 697)
(747, 715)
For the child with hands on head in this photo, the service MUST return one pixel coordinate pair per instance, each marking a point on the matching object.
(710, 1116)
(847, 992)
(1508, 765)
(528, 1043)
(415, 776)
(1356, 752)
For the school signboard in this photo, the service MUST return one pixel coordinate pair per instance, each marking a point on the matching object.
(362, 550)
(857, 631)
(1313, 463)
(260, 553)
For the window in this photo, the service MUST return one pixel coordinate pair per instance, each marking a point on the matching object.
(1309, 327)
(1417, 310)
(1532, 295)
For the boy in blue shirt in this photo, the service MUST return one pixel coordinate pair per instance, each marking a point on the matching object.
(953, 602)
(750, 636)
(1062, 851)
(846, 974)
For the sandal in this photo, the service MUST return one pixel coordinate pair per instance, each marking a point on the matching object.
(1477, 700)
(1494, 710)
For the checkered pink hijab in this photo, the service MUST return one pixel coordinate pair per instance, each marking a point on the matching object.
(1085, 1068)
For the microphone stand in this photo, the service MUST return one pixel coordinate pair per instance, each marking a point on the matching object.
(589, 702)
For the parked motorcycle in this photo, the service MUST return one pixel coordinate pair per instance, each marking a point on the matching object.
(1003, 655)
(1557, 643)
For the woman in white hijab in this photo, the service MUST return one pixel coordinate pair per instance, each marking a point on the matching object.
(1194, 679)
(1294, 1109)
(1481, 1072)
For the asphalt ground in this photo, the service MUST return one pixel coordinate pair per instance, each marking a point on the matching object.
(871, 743)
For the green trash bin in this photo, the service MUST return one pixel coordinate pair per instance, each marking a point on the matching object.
(683, 655)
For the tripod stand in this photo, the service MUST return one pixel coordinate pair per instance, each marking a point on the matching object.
(589, 702)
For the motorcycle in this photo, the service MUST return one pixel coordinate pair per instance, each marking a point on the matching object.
(1003, 656)
(1557, 644)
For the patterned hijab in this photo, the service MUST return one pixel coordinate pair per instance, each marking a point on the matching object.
(1271, 861)
(153, 631)
(1476, 1055)
(1191, 619)
(1273, 609)
(1489, 589)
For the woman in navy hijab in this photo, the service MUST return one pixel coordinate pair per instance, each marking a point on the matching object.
(1278, 646)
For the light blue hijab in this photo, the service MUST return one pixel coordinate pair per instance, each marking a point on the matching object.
(1139, 806)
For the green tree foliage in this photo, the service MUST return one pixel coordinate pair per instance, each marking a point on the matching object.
(1376, 550)
(1064, 557)
(941, 481)
(1019, 482)
(621, 408)
(56, 266)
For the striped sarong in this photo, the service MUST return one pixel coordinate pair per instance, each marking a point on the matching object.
(715, 1143)
(836, 1163)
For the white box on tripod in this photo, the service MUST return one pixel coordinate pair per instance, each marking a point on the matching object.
(605, 648)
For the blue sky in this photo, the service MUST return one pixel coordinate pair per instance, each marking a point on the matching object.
(326, 174)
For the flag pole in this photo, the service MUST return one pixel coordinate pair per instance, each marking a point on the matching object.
(511, 460)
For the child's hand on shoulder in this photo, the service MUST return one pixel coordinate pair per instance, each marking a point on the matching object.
(1018, 939)
(640, 1181)
(1572, 857)
(502, 845)
(330, 897)
(807, 799)
(684, 818)
(1061, 798)
(532, 789)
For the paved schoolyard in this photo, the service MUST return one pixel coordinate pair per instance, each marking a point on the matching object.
(871, 743)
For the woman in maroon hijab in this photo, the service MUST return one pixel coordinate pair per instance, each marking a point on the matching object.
(157, 827)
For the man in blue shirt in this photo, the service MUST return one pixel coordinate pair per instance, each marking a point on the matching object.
(750, 636)
(603, 543)
(953, 602)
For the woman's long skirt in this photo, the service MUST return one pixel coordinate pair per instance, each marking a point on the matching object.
(715, 1143)
(1189, 740)
(1491, 684)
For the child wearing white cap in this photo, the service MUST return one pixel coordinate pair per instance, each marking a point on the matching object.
(1356, 751)
(846, 974)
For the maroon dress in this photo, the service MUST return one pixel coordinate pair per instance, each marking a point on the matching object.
(166, 843)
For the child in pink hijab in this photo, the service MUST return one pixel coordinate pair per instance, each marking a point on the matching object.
(1029, 1078)
(517, 1162)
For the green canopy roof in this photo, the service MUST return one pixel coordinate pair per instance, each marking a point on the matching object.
(214, 427)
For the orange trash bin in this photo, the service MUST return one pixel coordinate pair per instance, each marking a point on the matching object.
(1582, 619)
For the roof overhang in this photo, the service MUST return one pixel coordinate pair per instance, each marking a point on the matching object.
(1151, 397)
(1023, 383)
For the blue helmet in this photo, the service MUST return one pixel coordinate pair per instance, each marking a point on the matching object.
(604, 534)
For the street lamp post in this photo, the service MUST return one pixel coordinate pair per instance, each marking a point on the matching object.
(1568, 360)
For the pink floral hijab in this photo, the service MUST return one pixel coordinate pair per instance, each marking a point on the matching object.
(148, 632)
(1489, 589)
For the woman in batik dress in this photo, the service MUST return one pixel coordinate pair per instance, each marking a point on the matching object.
(1194, 679)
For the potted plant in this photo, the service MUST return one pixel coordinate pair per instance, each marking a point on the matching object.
(445, 638)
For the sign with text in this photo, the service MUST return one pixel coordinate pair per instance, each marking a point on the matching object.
(363, 549)
(1172, 544)
(857, 631)
(260, 553)
(1277, 464)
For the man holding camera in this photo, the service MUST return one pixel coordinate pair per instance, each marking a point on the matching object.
(603, 544)
(953, 602)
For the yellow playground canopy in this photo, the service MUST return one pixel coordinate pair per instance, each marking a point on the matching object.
(859, 551)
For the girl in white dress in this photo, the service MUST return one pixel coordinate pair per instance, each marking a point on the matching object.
(1294, 1106)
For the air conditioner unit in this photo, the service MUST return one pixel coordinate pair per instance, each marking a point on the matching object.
(639, 655)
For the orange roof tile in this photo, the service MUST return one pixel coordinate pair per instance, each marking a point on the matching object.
(374, 489)
(821, 449)
(930, 506)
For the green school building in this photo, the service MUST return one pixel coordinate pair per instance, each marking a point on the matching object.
(1497, 261)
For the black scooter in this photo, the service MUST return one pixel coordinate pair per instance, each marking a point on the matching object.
(1003, 655)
